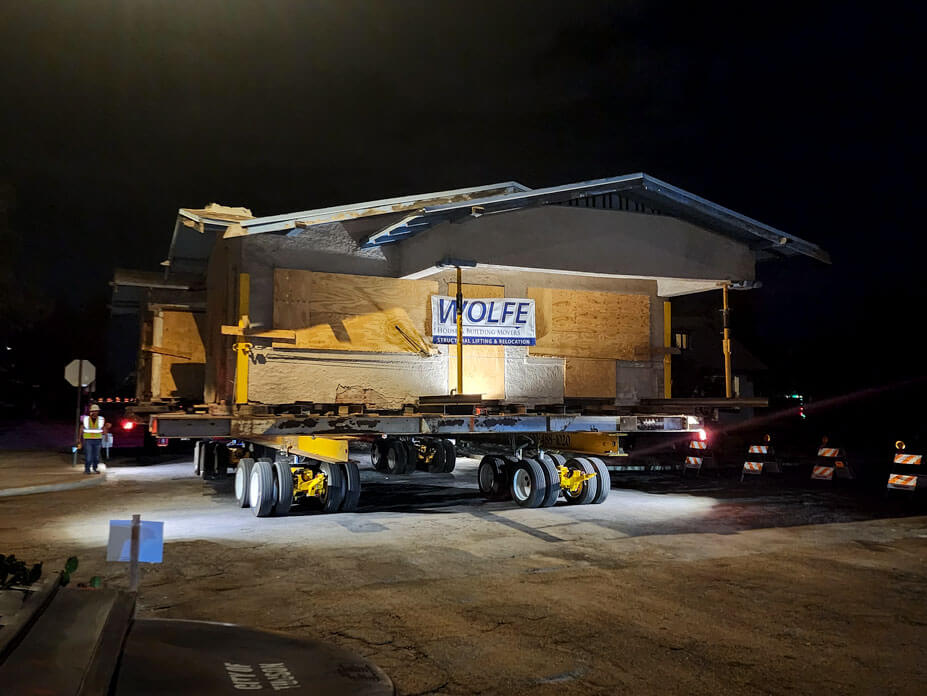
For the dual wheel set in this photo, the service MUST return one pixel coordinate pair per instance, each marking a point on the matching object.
(540, 481)
(392, 455)
(271, 487)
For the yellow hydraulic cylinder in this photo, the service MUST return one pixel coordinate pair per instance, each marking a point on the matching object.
(667, 343)
(242, 349)
(459, 333)
(726, 343)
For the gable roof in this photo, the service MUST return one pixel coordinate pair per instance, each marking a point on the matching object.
(406, 216)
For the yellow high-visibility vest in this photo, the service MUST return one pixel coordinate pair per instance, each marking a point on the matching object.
(94, 432)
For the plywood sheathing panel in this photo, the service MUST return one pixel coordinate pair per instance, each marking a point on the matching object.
(583, 324)
(332, 311)
(589, 377)
(182, 333)
(484, 366)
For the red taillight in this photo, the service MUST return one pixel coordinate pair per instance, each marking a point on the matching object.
(128, 425)
(702, 434)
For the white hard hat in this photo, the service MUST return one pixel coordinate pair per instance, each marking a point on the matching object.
(94, 407)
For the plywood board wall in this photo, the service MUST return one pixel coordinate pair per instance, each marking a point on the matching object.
(484, 366)
(334, 311)
(182, 333)
(584, 324)
(589, 377)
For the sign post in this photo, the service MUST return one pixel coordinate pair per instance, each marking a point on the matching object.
(79, 373)
(133, 542)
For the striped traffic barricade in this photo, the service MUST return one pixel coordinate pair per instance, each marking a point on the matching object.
(905, 470)
(759, 459)
(697, 455)
(831, 463)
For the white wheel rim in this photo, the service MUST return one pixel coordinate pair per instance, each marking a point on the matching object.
(521, 486)
(254, 490)
(391, 459)
(240, 483)
(487, 477)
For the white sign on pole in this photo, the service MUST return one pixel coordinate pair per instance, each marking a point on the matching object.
(150, 541)
(75, 372)
(498, 321)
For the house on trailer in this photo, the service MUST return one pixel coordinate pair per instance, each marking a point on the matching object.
(566, 295)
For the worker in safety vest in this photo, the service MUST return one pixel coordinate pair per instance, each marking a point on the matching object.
(91, 430)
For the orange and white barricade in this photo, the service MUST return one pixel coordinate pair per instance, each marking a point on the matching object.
(830, 463)
(698, 455)
(760, 458)
(905, 470)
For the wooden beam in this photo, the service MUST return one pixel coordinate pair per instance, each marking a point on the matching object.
(279, 334)
(165, 351)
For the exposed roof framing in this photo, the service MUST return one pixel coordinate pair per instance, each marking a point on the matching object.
(292, 222)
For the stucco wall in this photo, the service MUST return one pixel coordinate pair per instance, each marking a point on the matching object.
(583, 240)
(387, 381)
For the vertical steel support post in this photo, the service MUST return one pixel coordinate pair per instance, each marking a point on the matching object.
(726, 342)
(667, 357)
(242, 348)
(459, 333)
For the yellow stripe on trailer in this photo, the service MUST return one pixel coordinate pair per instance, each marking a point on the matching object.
(604, 444)
(325, 449)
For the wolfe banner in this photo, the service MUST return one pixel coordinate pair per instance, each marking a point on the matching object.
(498, 321)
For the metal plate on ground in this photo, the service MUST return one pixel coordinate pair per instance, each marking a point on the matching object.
(163, 656)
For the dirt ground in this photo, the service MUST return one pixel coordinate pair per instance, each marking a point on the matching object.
(668, 587)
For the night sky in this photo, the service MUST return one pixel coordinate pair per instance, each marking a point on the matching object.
(115, 114)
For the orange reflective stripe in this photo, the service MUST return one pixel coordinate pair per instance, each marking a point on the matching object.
(908, 459)
(823, 472)
(693, 461)
(758, 449)
(698, 444)
(828, 452)
(753, 467)
(902, 481)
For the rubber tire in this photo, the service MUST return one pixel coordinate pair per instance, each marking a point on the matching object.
(559, 459)
(208, 460)
(261, 491)
(395, 457)
(198, 458)
(438, 464)
(334, 487)
(352, 484)
(283, 480)
(552, 478)
(450, 456)
(490, 477)
(604, 479)
(588, 491)
(377, 453)
(243, 481)
(536, 480)
(222, 461)
(411, 457)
